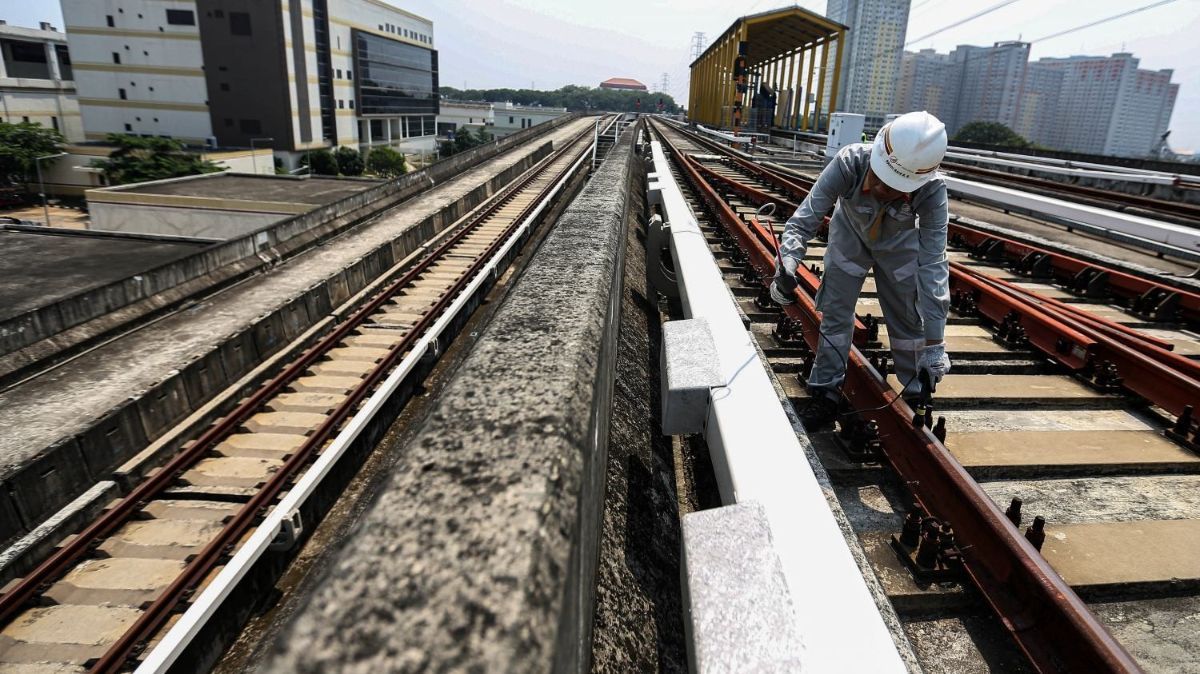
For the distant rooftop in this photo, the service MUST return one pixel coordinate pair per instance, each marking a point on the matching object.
(240, 191)
(622, 83)
(44, 265)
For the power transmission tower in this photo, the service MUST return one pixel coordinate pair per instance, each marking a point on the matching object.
(698, 44)
(666, 83)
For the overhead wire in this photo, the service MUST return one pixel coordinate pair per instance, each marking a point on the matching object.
(956, 24)
(1097, 22)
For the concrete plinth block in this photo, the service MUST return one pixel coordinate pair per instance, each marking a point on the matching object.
(738, 613)
(689, 366)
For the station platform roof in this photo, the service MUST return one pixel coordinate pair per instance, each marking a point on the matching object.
(790, 51)
(776, 32)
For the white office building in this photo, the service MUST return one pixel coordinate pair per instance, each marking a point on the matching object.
(36, 80)
(292, 75)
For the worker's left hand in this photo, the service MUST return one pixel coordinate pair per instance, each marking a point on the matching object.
(934, 359)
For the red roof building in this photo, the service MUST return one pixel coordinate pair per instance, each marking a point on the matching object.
(622, 83)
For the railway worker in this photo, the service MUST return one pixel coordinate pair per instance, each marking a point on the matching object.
(889, 212)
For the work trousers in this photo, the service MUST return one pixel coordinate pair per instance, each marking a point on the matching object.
(836, 299)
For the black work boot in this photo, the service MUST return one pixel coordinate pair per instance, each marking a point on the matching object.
(820, 411)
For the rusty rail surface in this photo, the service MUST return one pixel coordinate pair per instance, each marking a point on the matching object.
(1048, 621)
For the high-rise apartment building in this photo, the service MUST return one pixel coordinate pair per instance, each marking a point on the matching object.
(302, 73)
(928, 81)
(1087, 104)
(871, 58)
(992, 80)
(1105, 105)
(36, 79)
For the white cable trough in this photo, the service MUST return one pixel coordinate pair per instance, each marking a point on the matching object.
(756, 456)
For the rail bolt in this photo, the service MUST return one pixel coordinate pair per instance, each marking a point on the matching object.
(939, 430)
(763, 300)
(1014, 511)
(1036, 533)
(910, 534)
(927, 549)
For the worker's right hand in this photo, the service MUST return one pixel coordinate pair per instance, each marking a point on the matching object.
(783, 288)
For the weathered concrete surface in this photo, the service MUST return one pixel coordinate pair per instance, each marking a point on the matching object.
(476, 555)
(739, 613)
(106, 393)
(638, 624)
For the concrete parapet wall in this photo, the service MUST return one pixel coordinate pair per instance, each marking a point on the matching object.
(36, 489)
(38, 334)
(481, 552)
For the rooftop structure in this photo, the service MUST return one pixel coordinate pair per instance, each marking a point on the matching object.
(36, 79)
(218, 72)
(215, 205)
(784, 48)
(60, 263)
(623, 83)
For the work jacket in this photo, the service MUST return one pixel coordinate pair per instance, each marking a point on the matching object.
(902, 239)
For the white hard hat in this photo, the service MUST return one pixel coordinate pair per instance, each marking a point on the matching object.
(907, 151)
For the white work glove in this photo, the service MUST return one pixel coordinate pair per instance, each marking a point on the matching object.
(934, 359)
(783, 288)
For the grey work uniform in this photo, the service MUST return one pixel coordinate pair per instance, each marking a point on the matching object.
(906, 244)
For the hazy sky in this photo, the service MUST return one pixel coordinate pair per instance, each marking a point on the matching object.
(549, 43)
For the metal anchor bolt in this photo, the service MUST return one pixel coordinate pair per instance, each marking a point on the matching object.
(1014, 511)
(1036, 533)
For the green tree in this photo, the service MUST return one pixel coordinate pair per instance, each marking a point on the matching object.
(138, 159)
(464, 140)
(349, 161)
(20, 145)
(990, 133)
(323, 163)
(571, 97)
(385, 162)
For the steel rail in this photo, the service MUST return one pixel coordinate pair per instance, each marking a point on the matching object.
(1065, 268)
(173, 643)
(1161, 377)
(17, 596)
(1048, 621)
(157, 613)
(1160, 349)
(1119, 200)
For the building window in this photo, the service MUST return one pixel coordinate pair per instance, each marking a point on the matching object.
(250, 125)
(54, 123)
(181, 17)
(116, 57)
(109, 20)
(339, 73)
(349, 74)
(25, 118)
(121, 93)
(224, 86)
(352, 104)
(341, 103)
(239, 23)
(129, 127)
(510, 120)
